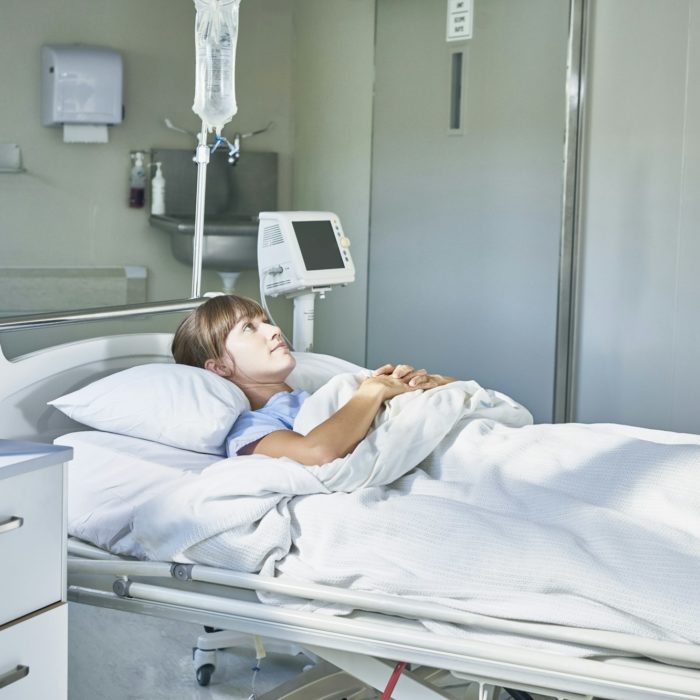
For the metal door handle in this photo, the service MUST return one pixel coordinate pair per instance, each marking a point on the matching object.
(11, 524)
(13, 676)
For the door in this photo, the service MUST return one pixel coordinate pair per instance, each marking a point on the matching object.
(466, 193)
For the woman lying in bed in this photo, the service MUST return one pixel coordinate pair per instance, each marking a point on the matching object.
(232, 337)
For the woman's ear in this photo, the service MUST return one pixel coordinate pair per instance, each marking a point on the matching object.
(218, 368)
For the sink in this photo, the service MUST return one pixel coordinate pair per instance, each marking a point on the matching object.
(230, 242)
(235, 195)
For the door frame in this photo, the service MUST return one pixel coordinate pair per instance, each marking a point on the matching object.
(577, 72)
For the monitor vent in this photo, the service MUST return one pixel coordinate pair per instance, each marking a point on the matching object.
(272, 235)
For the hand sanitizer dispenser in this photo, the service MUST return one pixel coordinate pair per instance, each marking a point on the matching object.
(81, 85)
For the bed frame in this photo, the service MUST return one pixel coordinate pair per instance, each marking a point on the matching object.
(354, 654)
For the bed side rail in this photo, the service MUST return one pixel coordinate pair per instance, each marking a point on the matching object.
(389, 639)
(676, 652)
(60, 318)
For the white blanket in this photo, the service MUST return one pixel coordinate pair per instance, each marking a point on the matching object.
(406, 432)
(238, 508)
(454, 497)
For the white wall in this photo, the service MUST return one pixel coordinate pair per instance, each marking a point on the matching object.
(70, 208)
(333, 81)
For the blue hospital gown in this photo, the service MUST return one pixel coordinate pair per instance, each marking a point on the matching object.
(277, 414)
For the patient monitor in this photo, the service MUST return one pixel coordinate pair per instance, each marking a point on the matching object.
(301, 254)
(301, 250)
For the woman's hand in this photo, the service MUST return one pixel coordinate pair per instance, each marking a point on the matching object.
(413, 378)
(430, 381)
(384, 387)
(403, 372)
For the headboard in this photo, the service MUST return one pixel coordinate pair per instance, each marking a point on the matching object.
(29, 381)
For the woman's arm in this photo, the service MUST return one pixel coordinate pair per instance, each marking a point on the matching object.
(338, 435)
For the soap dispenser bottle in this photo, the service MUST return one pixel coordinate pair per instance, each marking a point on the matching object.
(137, 181)
(158, 192)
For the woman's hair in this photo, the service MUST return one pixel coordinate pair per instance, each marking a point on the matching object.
(202, 335)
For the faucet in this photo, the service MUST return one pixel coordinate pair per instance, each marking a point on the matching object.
(234, 146)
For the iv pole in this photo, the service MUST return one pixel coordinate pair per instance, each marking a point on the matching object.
(202, 160)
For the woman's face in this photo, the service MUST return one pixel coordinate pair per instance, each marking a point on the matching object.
(259, 353)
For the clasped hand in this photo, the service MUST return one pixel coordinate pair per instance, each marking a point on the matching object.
(393, 380)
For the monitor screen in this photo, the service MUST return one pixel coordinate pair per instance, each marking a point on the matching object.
(318, 245)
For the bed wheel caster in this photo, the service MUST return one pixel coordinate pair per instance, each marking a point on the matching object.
(204, 662)
(204, 674)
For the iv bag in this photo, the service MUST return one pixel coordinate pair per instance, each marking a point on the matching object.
(216, 34)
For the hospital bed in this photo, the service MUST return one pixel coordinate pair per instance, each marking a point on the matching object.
(355, 652)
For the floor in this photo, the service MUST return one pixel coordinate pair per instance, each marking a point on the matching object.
(115, 655)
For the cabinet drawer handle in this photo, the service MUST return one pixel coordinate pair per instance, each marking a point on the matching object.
(11, 524)
(13, 676)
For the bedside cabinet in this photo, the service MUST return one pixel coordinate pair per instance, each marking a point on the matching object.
(33, 609)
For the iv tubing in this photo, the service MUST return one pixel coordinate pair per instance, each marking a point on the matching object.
(202, 159)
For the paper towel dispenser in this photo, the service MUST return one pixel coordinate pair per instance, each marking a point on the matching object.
(80, 85)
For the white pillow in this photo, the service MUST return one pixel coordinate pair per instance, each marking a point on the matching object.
(176, 405)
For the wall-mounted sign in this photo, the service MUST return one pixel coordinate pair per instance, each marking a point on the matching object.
(460, 19)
